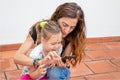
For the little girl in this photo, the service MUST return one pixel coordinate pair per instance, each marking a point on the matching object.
(51, 38)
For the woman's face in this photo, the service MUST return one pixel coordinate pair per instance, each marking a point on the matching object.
(67, 25)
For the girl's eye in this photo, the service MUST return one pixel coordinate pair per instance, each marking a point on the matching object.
(52, 43)
(59, 42)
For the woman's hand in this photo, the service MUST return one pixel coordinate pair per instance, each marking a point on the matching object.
(70, 62)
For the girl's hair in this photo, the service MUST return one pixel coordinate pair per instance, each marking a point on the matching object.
(49, 29)
(77, 36)
(46, 30)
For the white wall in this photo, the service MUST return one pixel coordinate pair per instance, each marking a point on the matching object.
(16, 17)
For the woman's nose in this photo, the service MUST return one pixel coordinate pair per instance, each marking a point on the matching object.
(67, 30)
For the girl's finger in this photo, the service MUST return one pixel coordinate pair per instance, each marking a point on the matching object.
(51, 54)
(56, 55)
(48, 57)
(43, 71)
(60, 63)
(41, 66)
(52, 66)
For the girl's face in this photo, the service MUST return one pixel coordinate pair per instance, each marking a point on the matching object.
(53, 43)
(67, 25)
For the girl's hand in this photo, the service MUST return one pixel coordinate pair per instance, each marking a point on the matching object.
(49, 58)
(39, 71)
(52, 55)
(54, 59)
(61, 64)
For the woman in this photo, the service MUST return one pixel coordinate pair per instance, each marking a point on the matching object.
(70, 17)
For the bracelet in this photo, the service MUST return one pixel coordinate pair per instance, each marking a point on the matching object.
(35, 63)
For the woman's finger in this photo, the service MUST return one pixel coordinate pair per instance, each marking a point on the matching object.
(72, 61)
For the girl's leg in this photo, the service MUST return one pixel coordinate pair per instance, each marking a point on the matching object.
(58, 73)
(44, 78)
(66, 72)
(25, 77)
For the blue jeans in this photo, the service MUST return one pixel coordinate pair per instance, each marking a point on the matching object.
(58, 73)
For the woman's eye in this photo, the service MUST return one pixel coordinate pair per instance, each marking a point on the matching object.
(65, 25)
(72, 27)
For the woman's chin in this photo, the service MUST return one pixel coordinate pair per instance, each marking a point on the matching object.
(63, 36)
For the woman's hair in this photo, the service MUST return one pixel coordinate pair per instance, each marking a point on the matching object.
(45, 29)
(77, 36)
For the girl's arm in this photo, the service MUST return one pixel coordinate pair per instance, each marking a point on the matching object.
(21, 55)
(43, 64)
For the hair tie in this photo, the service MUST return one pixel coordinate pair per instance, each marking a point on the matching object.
(42, 24)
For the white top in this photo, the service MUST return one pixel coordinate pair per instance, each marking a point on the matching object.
(37, 53)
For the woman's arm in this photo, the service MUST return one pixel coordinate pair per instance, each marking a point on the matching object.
(67, 51)
(21, 55)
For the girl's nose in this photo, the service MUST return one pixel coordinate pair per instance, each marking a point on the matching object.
(56, 47)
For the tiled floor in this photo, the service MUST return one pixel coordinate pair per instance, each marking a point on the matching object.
(102, 62)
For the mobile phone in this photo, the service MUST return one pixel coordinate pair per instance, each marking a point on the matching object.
(68, 57)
